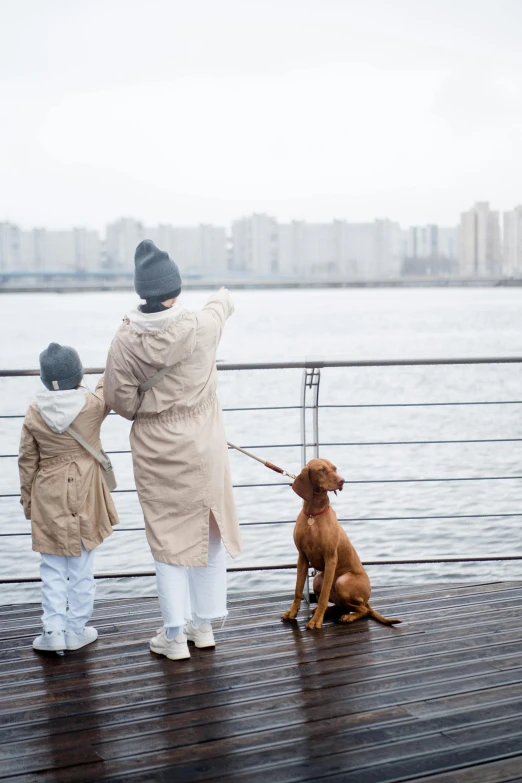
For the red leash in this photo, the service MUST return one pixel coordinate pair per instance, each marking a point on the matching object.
(311, 517)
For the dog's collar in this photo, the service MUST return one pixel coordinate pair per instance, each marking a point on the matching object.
(311, 517)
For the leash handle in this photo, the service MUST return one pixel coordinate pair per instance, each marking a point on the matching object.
(274, 467)
(280, 470)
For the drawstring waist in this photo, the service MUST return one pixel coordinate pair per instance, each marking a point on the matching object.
(178, 415)
(62, 459)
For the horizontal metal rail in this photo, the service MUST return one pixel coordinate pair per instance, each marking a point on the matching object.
(350, 444)
(134, 574)
(290, 566)
(442, 480)
(317, 363)
(225, 410)
(420, 404)
(352, 405)
(418, 518)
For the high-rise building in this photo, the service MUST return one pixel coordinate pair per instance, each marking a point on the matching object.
(307, 250)
(429, 250)
(213, 244)
(17, 249)
(78, 250)
(512, 255)
(421, 242)
(196, 249)
(40, 250)
(480, 249)
(342, 250)
(255, 245)
(356, 242)
(291, 249)
(57, 251)
(122, 238)
(449, 245)
(10, 255)
(88, 250)
(368, 251)
(387, 250)
(320, 250)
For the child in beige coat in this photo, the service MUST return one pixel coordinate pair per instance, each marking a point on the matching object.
(65, 496)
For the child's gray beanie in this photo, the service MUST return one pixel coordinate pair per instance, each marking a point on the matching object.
(155, 273)
(60, 367)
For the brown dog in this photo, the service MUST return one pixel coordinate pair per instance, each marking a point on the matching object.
(323, 544)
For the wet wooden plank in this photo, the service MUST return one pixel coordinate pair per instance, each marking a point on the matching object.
(147, 699)
(308, 647)
(240, 605)
(422, 610)
(53, 757)
(375, 665)
(256, 625)
(270, 730)
(441, 694)
(282, 642)
(384, 767)
(502, 771)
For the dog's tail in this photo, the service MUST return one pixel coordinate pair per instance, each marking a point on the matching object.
(380, 618)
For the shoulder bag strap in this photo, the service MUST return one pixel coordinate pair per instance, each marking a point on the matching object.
(98, 455)
(146, 385)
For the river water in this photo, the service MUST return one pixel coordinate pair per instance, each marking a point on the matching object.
(291, 325)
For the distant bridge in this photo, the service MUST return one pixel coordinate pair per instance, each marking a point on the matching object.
(118, 280)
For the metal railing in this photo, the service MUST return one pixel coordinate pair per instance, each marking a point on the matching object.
(310, 445)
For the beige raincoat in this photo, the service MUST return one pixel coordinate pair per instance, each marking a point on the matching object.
(178, 441)
(63, 491)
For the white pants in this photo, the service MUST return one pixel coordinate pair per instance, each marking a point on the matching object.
(184, 591)
(54, 570)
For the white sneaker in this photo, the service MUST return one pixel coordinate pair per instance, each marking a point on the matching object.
(74, 640)
(50, 641)
(202, 635)
(175, 649)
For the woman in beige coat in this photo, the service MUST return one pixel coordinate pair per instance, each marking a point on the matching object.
(65, 496)
(179, 447)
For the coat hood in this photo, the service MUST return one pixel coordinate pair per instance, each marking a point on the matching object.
(60, 408)
(160, 339)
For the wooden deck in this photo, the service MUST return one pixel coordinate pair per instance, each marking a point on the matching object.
(437, 699)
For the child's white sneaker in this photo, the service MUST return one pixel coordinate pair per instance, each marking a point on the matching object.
(50, 641)
(202, 635)
(175, 649)
(74, 640)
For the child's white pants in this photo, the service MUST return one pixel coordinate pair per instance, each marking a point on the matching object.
(54, 571)
(199, 590)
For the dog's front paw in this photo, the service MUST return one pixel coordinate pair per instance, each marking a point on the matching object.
(291, 614)
(315, 622)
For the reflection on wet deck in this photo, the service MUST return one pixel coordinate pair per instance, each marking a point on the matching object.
(439, 697)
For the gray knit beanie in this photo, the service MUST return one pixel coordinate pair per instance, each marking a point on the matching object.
(60, 367)
(155, 273)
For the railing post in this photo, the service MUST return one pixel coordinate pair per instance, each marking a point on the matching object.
(310, 399)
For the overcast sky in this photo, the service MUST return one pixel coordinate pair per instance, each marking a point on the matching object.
(189, 111)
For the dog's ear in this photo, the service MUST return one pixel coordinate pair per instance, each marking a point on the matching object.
(302, 486)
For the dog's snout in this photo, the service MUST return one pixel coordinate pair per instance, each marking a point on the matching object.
(340, 483)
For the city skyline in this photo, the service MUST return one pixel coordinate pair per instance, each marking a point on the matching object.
(298, 110)
(258, 244)
(79, 225)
